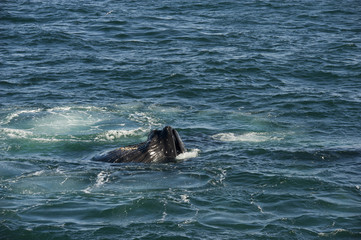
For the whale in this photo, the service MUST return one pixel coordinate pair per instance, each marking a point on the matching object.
(162, 146)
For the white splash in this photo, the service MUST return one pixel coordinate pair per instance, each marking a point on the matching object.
(16, 133)
(144, 118)
(53, 121)
(101, 179)
(37, 173)
(222, 175)
(260, 209)
(64, 120)
(111, 135)
(185, 198)
(332, 233)
(246, 137)
(109, 12)
(192, 153)
(26, 134)
(16, 114)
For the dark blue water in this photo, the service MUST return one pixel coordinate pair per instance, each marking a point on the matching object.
(265, 95)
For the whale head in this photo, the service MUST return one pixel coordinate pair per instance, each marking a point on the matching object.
(164, 145)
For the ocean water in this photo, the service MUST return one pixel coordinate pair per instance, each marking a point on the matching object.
(265, 95)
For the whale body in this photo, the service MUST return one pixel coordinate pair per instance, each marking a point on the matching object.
(162, 146)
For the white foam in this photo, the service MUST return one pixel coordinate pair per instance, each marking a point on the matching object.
(37, 173)
(16, 114)
(26, 134)
(63, 122)
(222, 175)
(192, 153)
(16, 133)
(260, 209)
(144, 118)
(162, 109)
(60, 122)
(332, 233)
(101, 179)
(76, 108)
(111, 135)
(59, 109)
(185, 198)
(246, 137)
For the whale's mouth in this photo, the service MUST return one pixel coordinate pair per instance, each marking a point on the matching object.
(170, 143)
(179, 145)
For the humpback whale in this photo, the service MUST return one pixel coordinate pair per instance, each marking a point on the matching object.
(162, 146)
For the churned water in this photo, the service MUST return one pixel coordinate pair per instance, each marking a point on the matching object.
(265, 94)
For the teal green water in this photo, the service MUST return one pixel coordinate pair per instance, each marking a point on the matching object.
(265, 95)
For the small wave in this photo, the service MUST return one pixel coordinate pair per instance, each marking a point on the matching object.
(192, 153)
(247, 137)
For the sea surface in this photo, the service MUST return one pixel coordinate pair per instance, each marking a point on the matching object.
(266, 95)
